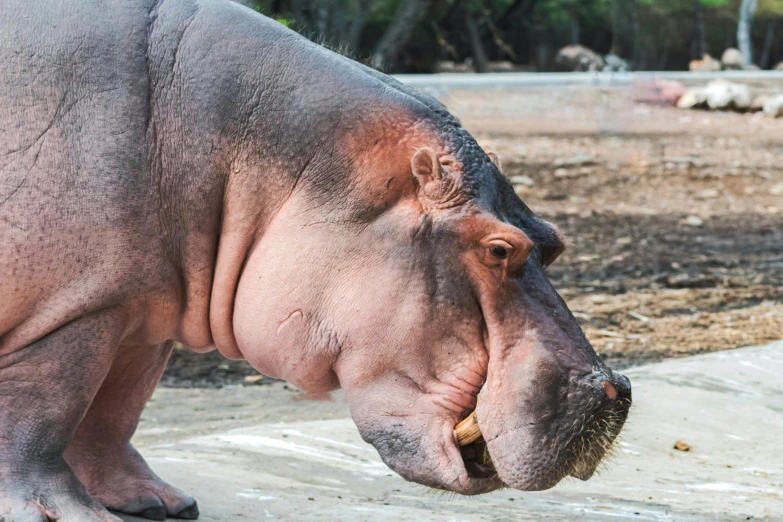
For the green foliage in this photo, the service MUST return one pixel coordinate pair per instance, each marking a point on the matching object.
(656, 33)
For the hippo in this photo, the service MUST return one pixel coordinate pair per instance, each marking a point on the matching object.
(191, 171)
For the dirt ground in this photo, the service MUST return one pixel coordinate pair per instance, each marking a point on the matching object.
(674, 219)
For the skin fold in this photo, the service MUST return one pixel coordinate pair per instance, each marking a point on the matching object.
(192, 171)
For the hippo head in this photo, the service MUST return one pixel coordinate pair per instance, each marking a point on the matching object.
(415, 280)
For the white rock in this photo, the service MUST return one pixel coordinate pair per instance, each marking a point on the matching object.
(758, 102)
(693, 98)
(722, 95)
(732, 59)
(706, 64)
(693, 221)
(576, 161)
(774, 106)
(708, 194)
(522, 180)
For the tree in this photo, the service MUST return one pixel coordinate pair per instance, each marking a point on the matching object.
(336, 23)
(625, 28)
(746, 13)
(408, 15)
(772, 11)
(699, 31)
(699, 28)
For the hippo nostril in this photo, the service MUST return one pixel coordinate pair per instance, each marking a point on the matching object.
(623, 386)
(610, 390)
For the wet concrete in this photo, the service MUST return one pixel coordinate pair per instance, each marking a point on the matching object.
(254, 454)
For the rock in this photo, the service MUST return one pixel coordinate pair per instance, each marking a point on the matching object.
(778, 67)
(723, 95)
(708, 194)
(732, 60)
(579, 58)
(693, 98)
(614, 63)
(583, 160)
(447, 66)
(503, 66)
(751, 67)
(522, 180)
(665, 93)
(758, 102)
(682, 446)
(692, 221)
(776, 190)
(706, 64)
(773, 107)
(683, 161)
(555, 196)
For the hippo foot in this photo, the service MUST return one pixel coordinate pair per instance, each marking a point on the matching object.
(52, 497)
(123, 482)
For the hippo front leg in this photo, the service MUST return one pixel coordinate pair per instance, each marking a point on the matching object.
(45, 390)
(101, 455)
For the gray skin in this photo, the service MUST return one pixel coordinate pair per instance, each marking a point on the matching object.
(192, 171)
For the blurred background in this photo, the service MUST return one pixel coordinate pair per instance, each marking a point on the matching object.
(425, 36)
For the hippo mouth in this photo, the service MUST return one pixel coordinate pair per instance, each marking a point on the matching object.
(583, 452)
(473, 448)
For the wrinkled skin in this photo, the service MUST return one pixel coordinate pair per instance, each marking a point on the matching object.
(192, 171)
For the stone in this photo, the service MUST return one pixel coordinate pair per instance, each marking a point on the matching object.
(692, 221)
(723, 95)
(582, 160)
(778, 67)
(614, 63)
(501, 66)
(665, 93)
(732, 60)
(579, 58)
(708, 194)
(773, 107)
(758, 102)
(525, 181)
(706, 64)
(693, 98)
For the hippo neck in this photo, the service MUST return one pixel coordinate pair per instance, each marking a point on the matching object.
(231, 148)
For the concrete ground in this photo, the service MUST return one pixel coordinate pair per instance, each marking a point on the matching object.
(257, 453)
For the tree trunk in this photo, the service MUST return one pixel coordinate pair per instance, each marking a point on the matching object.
(574, 29)
(699, 31)
(302, 22)
(746, 13)
(769, 39)
(408, 15)
(480, 62)
(625, 29)
(357, 25)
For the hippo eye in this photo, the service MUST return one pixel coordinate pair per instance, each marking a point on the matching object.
(499, 252)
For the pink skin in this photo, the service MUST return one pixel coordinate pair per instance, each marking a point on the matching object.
(412, 313)
(352, 236)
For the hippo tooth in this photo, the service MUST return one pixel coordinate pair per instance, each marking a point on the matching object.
(468, 430)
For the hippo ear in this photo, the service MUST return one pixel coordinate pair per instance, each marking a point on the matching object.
(495, 159)
(427, 170)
